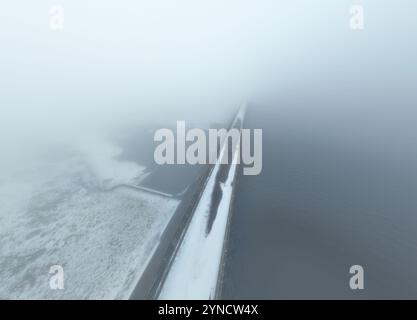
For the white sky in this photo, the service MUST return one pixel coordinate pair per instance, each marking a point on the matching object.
(129, 61)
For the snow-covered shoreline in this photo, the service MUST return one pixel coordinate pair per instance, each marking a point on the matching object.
(57, 211)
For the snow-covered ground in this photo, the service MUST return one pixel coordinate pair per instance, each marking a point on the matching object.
(195, 270)
(56, 211)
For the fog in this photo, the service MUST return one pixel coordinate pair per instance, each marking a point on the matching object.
(337, 110)
(121, 63)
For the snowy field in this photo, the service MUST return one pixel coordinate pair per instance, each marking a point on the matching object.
(56, 211)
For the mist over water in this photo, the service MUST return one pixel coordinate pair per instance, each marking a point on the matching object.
(123, 62)
(331, 100)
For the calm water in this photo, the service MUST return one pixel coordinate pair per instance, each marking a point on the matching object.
(338, 188)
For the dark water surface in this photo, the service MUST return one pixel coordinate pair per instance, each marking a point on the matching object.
(338, 188)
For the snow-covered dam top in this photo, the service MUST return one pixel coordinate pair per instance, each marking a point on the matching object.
(195, 271)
